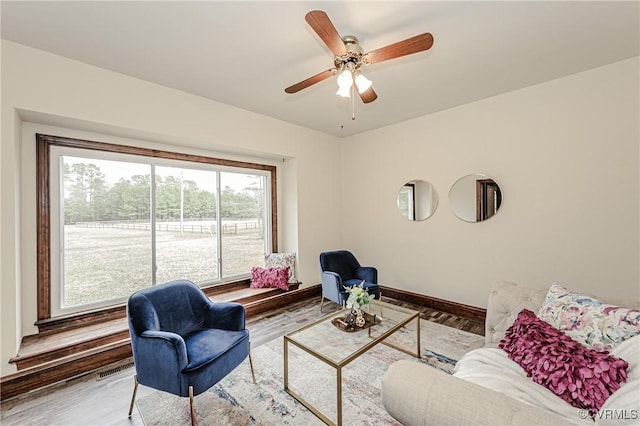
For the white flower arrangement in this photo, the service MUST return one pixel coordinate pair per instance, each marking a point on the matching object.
(358, 296)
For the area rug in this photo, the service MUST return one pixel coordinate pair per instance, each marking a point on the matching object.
(236, 400)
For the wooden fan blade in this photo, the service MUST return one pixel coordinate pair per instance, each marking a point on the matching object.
(368, 95)
(310, 81)
(411, 45)
(321, 24)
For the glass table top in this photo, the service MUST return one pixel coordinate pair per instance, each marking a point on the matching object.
(338, 347)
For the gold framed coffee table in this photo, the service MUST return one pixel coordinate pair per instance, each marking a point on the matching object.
(338, 348)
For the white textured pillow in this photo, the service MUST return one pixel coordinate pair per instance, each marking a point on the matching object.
(587, 320)
(282, 260)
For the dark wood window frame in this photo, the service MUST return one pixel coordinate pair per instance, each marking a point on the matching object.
(43, 145)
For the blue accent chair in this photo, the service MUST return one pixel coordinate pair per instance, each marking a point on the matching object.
(183, 343)
(341, 269)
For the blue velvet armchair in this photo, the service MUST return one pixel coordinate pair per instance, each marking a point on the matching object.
(341, 269)
(183, 343)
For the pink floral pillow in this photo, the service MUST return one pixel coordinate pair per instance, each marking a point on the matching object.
(281, 260)
(587, 320)
(581, 376)
(270, 278)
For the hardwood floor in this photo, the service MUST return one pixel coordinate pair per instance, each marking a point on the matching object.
(88, 401)
(453, 321)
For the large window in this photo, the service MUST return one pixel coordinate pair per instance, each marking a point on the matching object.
(115, 219)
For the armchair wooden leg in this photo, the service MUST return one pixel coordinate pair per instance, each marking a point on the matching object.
(193, 413)
(133, 397)
(321, 302)
(253, 376)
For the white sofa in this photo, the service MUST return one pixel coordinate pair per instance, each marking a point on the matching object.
(487, 388)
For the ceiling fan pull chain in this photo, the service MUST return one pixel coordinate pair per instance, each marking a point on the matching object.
(353, 103)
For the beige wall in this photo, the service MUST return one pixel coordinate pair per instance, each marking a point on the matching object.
(560, 151)
(81, 100)
(565, 154)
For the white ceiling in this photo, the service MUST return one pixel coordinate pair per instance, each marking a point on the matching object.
(245, 53)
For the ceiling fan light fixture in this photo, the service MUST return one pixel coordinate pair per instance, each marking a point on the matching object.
(345, 81)
(362, 82)
(345, 92)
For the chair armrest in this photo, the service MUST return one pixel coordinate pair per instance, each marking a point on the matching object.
(367, 273)
(442, 399)
(332, 286)
(331, 280)
(225, 316)
(160, 350)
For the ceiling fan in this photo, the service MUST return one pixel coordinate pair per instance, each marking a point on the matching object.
(350, 58)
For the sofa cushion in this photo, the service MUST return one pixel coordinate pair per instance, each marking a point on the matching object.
(588, 320)
(417, 394)
(581, 376)
(492, 369)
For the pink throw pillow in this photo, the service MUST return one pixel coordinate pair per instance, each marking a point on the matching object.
(581, 376)
(270, 278)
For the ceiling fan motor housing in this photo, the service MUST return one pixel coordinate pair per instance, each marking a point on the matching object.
(353, 58)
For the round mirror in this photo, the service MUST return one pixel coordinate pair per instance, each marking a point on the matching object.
(474, 198)
(417, 200)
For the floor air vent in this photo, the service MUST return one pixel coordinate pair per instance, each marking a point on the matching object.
(110, 372)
